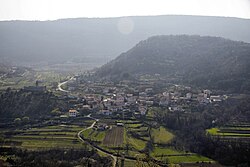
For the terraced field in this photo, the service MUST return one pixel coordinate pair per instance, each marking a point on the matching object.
(231, 131)
(175, 156)
(46, 137)
(137, 136)
(94, 135)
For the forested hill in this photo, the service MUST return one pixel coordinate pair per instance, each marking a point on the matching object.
(98, 40)
(205, 61)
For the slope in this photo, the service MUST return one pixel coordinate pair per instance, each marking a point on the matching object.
(205, 61)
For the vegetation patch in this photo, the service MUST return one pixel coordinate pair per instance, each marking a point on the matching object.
(161, 135)
(174, 156)
(136, 143)
(232, 131)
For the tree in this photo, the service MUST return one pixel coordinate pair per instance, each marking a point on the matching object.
(25, 119)
(56, 112)
(17, 121)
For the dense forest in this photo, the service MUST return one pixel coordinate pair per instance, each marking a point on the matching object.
(20, 104)
(210, 62)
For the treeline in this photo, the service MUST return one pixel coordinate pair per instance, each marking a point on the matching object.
(54, 157)
(190, 129)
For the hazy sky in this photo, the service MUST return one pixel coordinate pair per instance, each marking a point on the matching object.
(55, 9)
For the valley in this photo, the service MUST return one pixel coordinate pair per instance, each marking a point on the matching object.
(191, 109)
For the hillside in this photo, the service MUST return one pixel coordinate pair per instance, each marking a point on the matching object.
(98, 40)
(204, 61)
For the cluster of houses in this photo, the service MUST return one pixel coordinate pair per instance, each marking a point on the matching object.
(111, 101)
(108, 99)
(179, 99)
(108, 105)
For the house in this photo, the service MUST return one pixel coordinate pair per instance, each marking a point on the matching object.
(216, 98)
(142, 94)
(207, 93)
(149, 90)
(73, 113)
(129, 95)
(202, 100)
(150, 103)
(168, 95)
(119, 124)
(86, 107)
(176, 108)
(142, 110)
(131, 99)
(189, 95)
(164, 102)
(102, 127)
(105, 112)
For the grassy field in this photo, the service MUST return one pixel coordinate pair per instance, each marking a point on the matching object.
(138, 163)
(236, 131)
(188, 159)
(136, 125)
(161, 135)
(94, 135)
(136, 143)
(158, 151)
(175, 156)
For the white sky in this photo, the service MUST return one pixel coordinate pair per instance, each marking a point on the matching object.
(56, 9)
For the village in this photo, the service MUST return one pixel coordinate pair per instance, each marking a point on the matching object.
(110, 99)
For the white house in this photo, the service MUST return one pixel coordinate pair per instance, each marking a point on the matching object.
(189, 95)
(73, 113)
(207, 93)
(216, 98)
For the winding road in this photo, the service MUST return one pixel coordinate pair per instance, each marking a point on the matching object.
(90, 127)
(62, 83)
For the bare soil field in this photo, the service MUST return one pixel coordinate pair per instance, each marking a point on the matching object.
(114, 137)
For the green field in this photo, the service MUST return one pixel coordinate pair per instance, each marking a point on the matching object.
(134, 125)
(188, 159)
(94, 135)
(175, 156)
(141, 130)
(161, 135)
(136, 143)
(234, 131)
